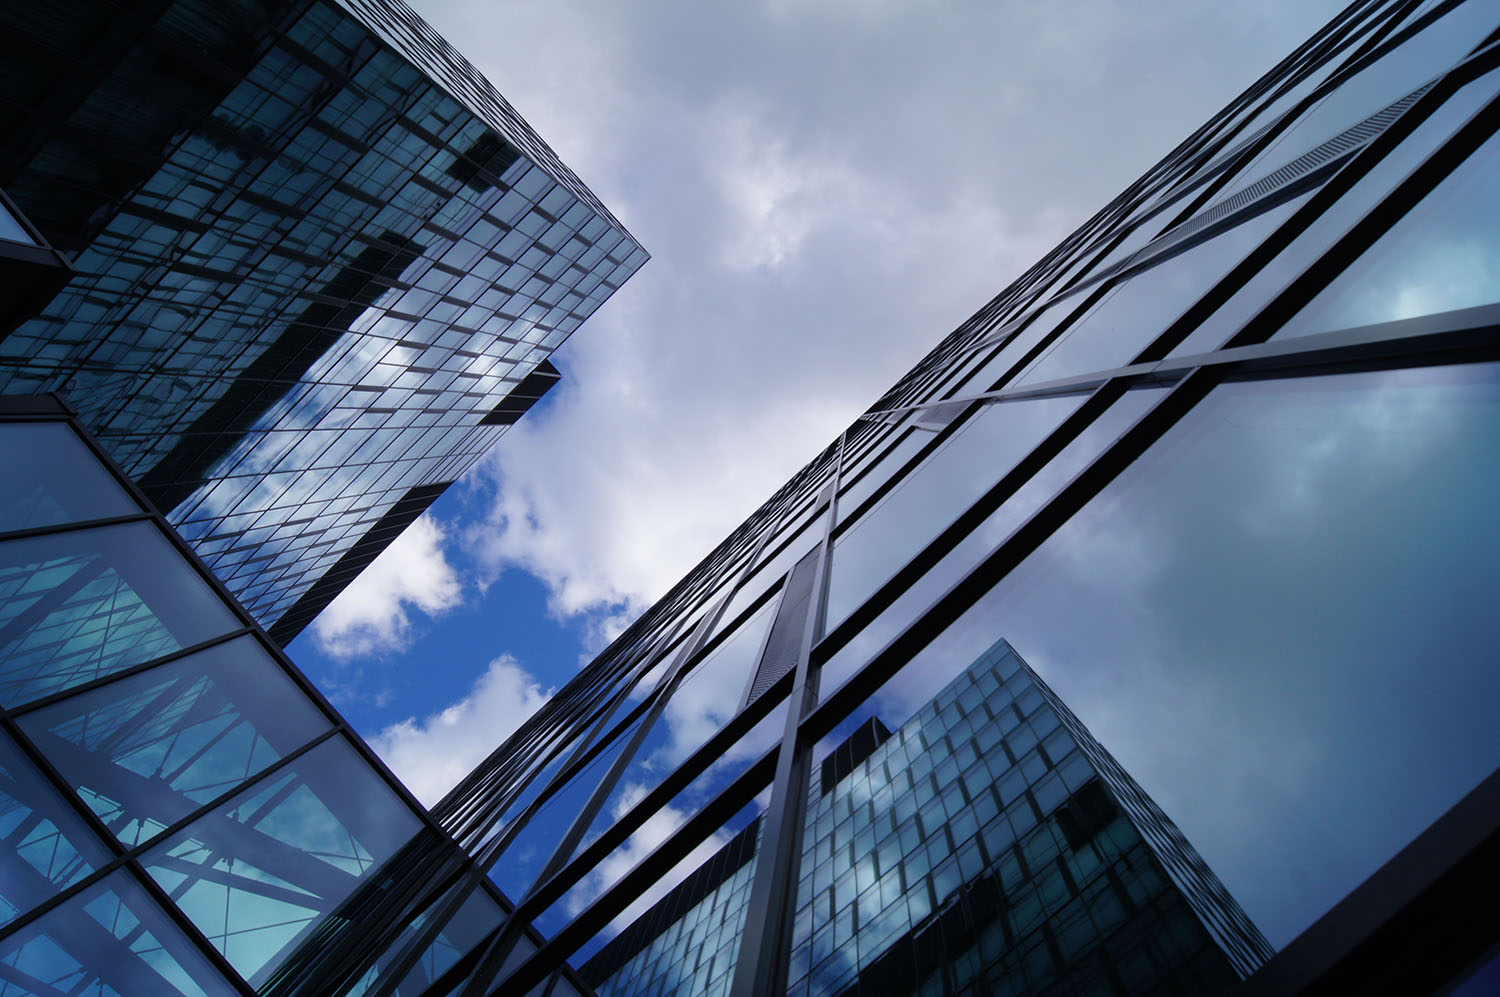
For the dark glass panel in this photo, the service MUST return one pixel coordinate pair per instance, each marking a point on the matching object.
(44, 846)
(110, 939)
(53, 478)
(79, 605)
(146, 751)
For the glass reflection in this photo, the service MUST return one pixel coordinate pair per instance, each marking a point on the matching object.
(110, 939)
(146, 751)
(44, 846)
(1279, 621)
(935, 493)
(1444, 254)
(53, 478)
(257, 873)
(79, 605)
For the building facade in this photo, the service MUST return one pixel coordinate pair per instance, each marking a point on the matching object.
(1221, 464)
(1217, 464)
(989, 844)
(319, 266)
(179, 807)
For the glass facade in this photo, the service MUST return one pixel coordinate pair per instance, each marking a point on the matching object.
(179, 808)
(312, 284)
(1221, 464)
(990, 844)
(1218, 465)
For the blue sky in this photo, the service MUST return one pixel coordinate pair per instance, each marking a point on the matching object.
(827, 188)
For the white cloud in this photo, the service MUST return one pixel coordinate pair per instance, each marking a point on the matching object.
(430, 755)
(372, 615)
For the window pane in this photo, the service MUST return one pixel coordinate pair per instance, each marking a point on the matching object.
(933, 495)
(1138, 311)
(75, 606)
(53, 478)
(110, 939)
(1442, 255)
(1281, 621)
(44, 846)
(146, 751)
(255, 875)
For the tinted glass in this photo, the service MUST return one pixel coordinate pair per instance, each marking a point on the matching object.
(51, 477)
(146, 751)
(78, 605)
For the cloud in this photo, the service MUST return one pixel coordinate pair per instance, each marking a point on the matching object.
(430, 755)
(372, 615)
(825, 193)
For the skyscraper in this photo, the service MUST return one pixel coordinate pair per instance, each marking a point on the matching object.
(1221, 466)
(320, 264)
(989, 838)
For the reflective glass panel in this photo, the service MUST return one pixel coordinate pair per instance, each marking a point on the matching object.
(256, 874)
(1444, 254)
(79, 605)
(44, 846)
(1134, 314)
(146, 751)
(1280, 621)
(110, 939)
(931, 496)
(51, 477)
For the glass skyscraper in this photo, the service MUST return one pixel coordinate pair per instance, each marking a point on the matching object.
(1220, 466)
(988, 838)
(319, 266)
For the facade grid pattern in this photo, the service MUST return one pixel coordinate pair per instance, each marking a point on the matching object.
(327, 276)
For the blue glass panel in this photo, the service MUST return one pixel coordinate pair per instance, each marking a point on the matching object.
(109, 940)
(146, 751)
(51, 477)
(1444, 254)
(79, 605)
(1280, 620)
(44, 845)
(935, 493)
(259, 872)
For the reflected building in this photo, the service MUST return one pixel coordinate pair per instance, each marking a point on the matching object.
(989, 838)
(1220, 464)
(319, 264)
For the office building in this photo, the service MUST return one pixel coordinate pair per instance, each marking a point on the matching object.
(1220, 467)
(179, 806)
(989, 837)
(319, 264)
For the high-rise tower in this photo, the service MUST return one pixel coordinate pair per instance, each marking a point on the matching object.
(319, 266)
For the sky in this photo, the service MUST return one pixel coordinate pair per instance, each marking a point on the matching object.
(827, 189)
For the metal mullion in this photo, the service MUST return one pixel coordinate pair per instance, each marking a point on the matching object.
(502, 945)
(124, 673)
(1006, 555)
(765, 940)
(616, 898)
(32, 532)
(662, 794)
(124, 853)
